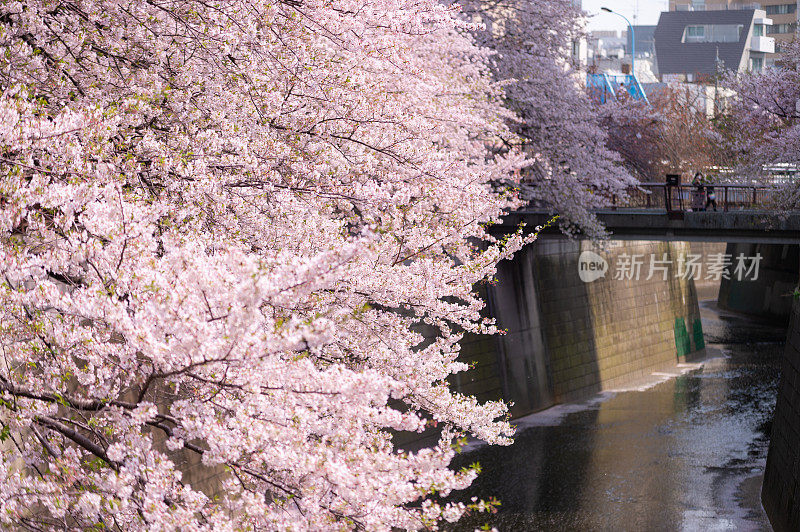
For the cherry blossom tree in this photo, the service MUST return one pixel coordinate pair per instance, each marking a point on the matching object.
(573, 170)
(219, 221)
(763, 129)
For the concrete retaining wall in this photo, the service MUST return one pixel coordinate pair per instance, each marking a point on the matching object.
(707, 288)
(771, 294)
(781, 492)
(612, 332)
(522, 355)
(568, 339)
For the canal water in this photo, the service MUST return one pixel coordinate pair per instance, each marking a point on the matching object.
(680, 452)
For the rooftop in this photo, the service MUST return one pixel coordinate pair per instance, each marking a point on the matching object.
(678, 57)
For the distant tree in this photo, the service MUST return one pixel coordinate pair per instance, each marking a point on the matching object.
(675, 134)
(764, 129)
(571, 169)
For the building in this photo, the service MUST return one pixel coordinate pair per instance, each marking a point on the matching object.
(710, 100)
(607, 44)
(606, 52)
(784, 14)
(697, 46)
(605, 34)
(645, 41)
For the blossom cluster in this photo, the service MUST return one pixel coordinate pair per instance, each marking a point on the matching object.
(762, 125)
(571, 168)
(220, 222)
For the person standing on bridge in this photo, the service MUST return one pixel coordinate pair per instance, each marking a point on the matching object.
(711, 198)
(698, 196)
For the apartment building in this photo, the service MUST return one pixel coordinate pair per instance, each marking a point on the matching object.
(784, 15)
(696, 46)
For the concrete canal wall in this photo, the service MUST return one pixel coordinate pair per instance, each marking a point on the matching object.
(611, 332)
(770, 295)
(781, 491)
(568, 339)
(707, 288)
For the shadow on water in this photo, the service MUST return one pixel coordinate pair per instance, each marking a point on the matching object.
(685, 454)
(528, 476)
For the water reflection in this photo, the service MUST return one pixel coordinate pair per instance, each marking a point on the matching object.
(686, 454)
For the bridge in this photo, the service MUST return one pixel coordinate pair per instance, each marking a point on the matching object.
(656, 211)
(608, 87)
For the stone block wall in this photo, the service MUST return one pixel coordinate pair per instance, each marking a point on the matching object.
(614, 331)
(484, 379)
(567, 339)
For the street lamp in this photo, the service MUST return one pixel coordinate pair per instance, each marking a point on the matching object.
(633, 38)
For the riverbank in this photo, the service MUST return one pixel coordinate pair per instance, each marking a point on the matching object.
(684, 450)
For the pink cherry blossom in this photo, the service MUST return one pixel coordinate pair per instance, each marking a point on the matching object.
(762, 127)
(220, 223)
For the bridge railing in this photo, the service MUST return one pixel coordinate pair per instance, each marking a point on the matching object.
(605, 87)
(688, 197)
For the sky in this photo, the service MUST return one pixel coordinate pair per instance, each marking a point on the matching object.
(648, 11)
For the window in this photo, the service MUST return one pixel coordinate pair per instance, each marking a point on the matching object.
(782, 28)
(758, 30)
(756, 64)
(781, 9)
(713, 33)
(694, 34)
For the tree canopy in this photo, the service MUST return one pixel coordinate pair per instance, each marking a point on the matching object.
(219, 223)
